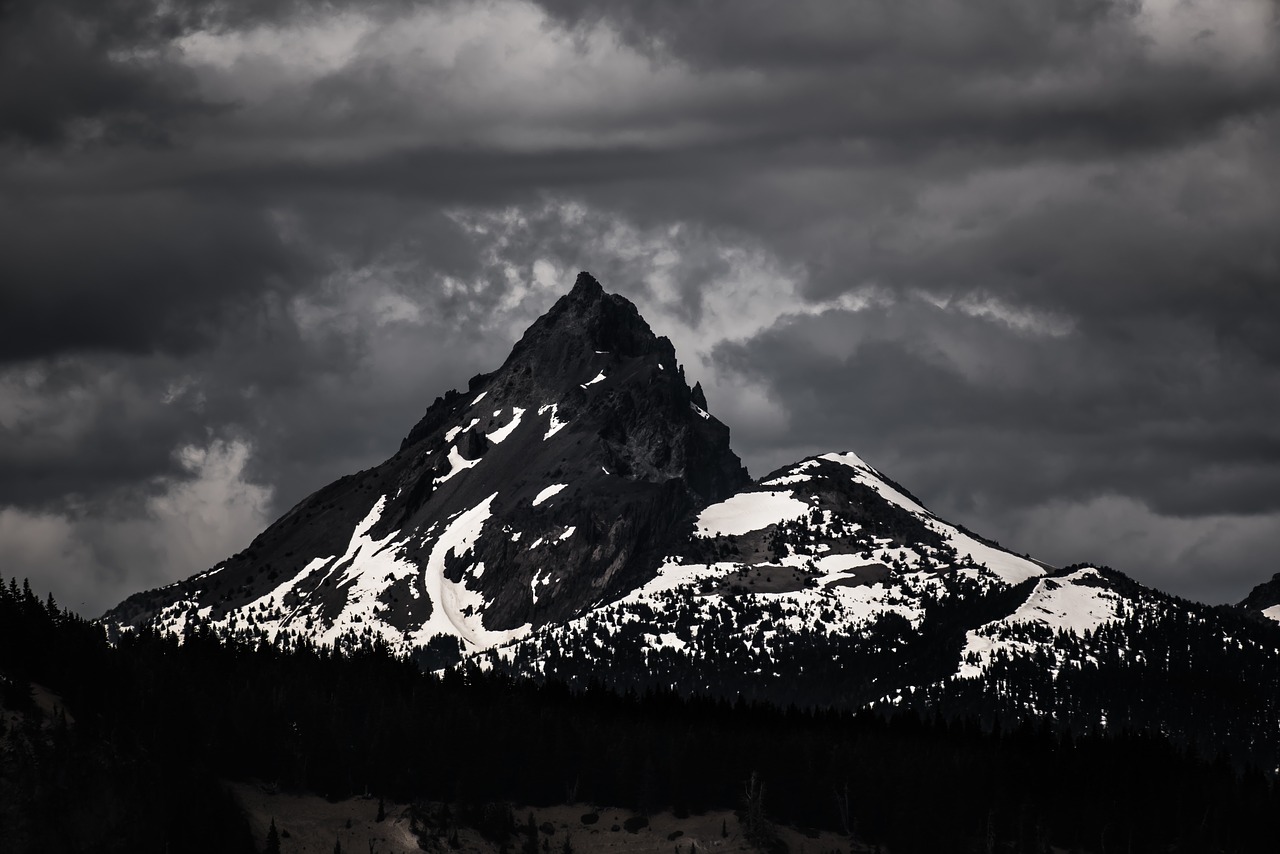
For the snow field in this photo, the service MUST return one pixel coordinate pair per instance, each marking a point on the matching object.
(747, 512)
(1060, 604)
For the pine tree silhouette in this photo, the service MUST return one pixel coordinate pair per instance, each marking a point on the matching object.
(273, 839)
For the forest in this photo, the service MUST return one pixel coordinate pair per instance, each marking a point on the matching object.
(132, 755)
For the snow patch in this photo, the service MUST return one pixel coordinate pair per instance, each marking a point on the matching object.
(556, 425)
(540, 578)
(749, 511)
(597, 378)
(1008, 566)
(548, 492)
(794, 475)
(367, 566)
(449, 437)
(787, 480)
(1060, 604)
(456, 609)
(1273, 612)
(457, 463)
(503, 432)
(698, 409)
(839, 564)
(568, 532)
(867, 475)
(670, 640)
(479, 397)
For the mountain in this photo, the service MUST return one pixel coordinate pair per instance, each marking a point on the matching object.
(579, 514)
(555, 483)
(1264, 599)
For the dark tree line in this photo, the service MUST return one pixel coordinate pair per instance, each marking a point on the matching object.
(1209, 677)
(77, 770)
(178, 718)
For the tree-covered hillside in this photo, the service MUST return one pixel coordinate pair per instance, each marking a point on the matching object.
(151, 726)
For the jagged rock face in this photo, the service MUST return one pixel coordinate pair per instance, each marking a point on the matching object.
(1265, 598)
(555, 483)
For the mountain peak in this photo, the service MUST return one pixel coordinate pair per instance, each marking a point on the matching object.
(560, 480)
(584, 324)
(586, 288)
(698, 396)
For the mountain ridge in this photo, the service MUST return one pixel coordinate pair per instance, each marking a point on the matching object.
(578, 514)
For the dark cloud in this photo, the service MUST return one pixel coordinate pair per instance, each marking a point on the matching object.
(1022, 256)
(131, 273)
(817, 32)
(999, 427)
(87, 73)
(1038, 416)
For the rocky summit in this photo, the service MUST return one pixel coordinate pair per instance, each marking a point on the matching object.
(553, 484)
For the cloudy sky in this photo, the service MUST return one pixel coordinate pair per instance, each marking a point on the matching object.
(1023, 255)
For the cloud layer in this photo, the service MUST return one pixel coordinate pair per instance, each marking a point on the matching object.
(1021, 256)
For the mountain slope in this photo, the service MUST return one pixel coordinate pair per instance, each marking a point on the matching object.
(819, 584)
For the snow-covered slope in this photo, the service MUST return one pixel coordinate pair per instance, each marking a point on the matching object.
(826, 548)
(827, 583)
(1075, 604)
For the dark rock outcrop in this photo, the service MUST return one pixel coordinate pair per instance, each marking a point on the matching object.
(1265, 595)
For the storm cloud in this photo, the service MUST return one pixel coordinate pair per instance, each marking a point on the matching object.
(1023, 257)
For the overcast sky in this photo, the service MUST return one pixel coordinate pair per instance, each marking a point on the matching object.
(1022, 255)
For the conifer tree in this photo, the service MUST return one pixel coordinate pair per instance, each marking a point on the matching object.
(273, 839)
